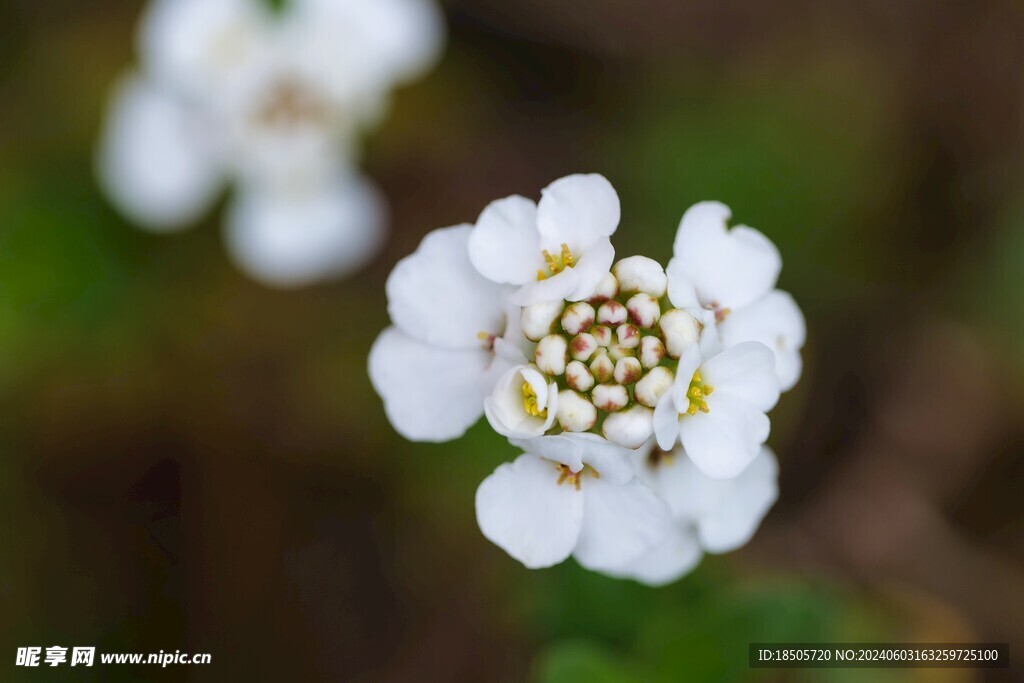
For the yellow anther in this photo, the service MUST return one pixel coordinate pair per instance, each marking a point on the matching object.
(556, 263)
(697, 393)
(567, 475)
(530, 402)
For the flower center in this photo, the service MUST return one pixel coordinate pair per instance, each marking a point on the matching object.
(530, 402)
(292, 104)
(696, 393)
(574, 478)
(555, 263)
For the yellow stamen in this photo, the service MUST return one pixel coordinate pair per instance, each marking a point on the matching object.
(697, 393)
(556, 263)
(567, 475)
(530, 402)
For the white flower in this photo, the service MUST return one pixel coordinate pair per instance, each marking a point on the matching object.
(710, 515)
(717, 407)
(726, 279)
(557, 249)
(454, 336)
(540, 512)
(231, 92)
(523, 403)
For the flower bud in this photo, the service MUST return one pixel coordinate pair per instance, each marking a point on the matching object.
(679, 330)
(611, 313)
(582, 346)
(653, 385)
(550, 354)
(628, 335)
(627, 370)
(630, 428)
(610, 397)
(607, 288)
(641, 274)
(537, 319)
(575, 413)
(578, 376)
(652, 350)
(602, 366)
(602, 334)
(578, 317)
(644, 310)
(617, 351)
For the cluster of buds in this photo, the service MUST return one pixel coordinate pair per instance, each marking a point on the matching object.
(613, 356)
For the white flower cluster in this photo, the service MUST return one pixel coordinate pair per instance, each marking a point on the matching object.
(273, 101)
(638, 394)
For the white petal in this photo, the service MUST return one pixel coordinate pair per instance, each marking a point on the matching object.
(669, 561)
(295, 236)
(159, 160)
(689, 363)
(591, 268)
(429, 394)
(741, 507)
(621, 522)
(729, 268)
(505, 410)
(724, 441)
(577, 211)
(522, 509)
(745, 371)
(609, 460)
(774, 320)
(555, 288)
(504, 246)
(436, 295)
(666, 421)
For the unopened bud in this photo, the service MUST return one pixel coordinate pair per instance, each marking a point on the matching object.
(611, 313)
(641, 274)
(602, 334)
(627, 370)
(578, 317)
(610, 397)
(538, 319)
(630, 428)
(679, 330)
(653, 385)
(550, 354)
(575, 413)
(602, 366)
(652, 350)
(617, 351)
(644, 310)
(628, 335)
(582, 346)
(607, 288)
(578, 376)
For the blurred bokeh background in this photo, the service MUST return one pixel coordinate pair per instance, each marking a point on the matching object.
(193, 461)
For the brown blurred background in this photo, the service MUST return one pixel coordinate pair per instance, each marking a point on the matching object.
(196, 462)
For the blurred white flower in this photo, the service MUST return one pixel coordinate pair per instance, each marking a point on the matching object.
(230, 91)
(726, 278)
(710, 515)
(540, 512)
(717, 407)
(557, 249)
(454, 336)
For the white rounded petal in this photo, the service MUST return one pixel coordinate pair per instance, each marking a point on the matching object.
(159, 160)
(555, 288)
(729, 268)
(666, 422)
(741, 506)
(294, 237)
(577, 211)
(776, 321)
(641, 274)
(504, 246)
(725, 440)
(609, 460)
(621, 522)
(523, 510)
(668, 561)
(630, 428)
(591, 269)
(429, 394)
(436, 295)
(505, 407)
(745, 371)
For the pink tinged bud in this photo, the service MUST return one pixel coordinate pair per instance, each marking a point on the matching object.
(583, 346)
(641, 274)
(628, 336)
(607, 288)
(630, 428)
(611, 313)
(550, 354)
(602, 334)
(652, 350)
(538, 319)
(578, 376)
(575, 413)
(602, 366)
(653, 386)
(617, 351)
(644, 310)
(610, 397)
(678, 329)
(627, 370)
(578, 317)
